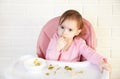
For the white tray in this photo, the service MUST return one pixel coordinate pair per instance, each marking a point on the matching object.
(25, 68)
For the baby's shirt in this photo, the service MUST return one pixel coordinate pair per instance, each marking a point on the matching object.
(74, 52)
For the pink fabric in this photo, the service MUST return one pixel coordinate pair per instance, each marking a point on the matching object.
(77, 48)
(45, 35)
(50, 28)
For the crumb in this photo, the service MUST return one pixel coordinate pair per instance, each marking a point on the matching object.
(73, 74)
(47, 73)
(50, 67)
(56, 70)
(80, 72)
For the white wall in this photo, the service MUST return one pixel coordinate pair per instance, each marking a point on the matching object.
(22, 20)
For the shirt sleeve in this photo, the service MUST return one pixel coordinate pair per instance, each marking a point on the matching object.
(91, 54)
(51, 52)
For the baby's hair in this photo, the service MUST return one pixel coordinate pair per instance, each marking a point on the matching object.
(72, 15)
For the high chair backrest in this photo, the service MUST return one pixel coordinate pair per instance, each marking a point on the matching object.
(50, 28)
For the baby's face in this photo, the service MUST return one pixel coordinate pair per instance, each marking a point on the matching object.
(68, 29)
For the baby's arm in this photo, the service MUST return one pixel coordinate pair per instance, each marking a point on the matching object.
(94, 57)
(52, 52)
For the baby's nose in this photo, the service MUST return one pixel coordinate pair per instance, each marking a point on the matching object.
(65, 32)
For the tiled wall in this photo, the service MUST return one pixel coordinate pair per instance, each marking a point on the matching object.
(22, 20)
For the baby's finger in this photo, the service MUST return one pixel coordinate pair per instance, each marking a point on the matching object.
(101, 69)
(63, 37)
(109, 68)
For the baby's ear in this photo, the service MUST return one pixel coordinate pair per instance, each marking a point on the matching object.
(78, 32)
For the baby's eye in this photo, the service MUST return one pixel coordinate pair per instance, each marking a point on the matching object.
(62, 27)
(70, 29)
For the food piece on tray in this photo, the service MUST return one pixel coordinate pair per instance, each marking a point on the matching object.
(80, 72)
(37, 62)
(50, 67)
(47, 73)
(68, 68)
(73, 73)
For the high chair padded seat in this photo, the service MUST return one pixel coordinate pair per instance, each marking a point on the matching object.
(50, 28)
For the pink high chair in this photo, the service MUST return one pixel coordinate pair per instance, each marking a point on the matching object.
(50, 28)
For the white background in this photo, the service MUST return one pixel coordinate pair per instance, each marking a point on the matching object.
(21, 22)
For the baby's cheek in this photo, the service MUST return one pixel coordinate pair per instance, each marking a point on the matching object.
(59, 32)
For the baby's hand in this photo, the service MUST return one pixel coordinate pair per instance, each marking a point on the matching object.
(61, 43)
(104, 65)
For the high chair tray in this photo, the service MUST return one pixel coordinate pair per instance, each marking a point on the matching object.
(29, 67)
